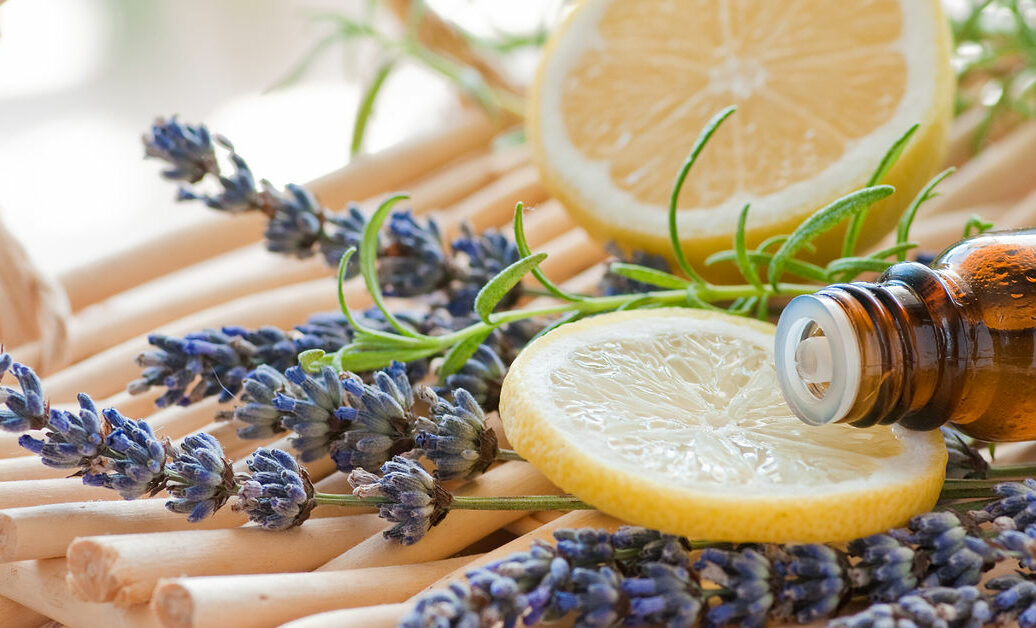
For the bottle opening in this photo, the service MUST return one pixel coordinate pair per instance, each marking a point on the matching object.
(817, 357)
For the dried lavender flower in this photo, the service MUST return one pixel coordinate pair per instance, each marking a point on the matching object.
(813, 581)
(312, 408)
(1021, 544)
(1016, 600)
(953, 556)
(72, 440)
(263, 417)
(585, 546)
(541, 574)
(279, 493)
(651, 546)
(459, 443)
(213, 361)
(453, 607)
(413, 262)
(296, 221)
(201, 479)
(662, 595)
(416, 500)
(186, 148)
(25, 410)
(745, 577)
(238, 191)
(1017, 501)
(936, 607)
(379, 418)
(885, 571)
(482, 376)
(597, 593)
(139, 462)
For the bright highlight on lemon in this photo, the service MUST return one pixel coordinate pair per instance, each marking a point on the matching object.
(822, 89)
(673, 419)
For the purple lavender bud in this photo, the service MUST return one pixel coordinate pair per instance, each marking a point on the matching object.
(413, 262)
(71, 440)
(25, 409)
(416, 500)
(186, 148)
(140, 461)
(279, 493)
(459, 444)
(379, 417)
(202, 479)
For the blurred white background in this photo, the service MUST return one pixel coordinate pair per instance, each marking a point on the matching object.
(81, 80)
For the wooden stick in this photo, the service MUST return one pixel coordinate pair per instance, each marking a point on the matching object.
(380, 616)
(494, 204)
(42, 586)
(46, 531)
(212, 235)
(265, 600)
(1002, 173)
(17, 616)
(459, 529)
(21, 493)
(124, 569)
(524, 525)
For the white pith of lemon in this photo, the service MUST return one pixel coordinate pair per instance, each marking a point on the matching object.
(673, 419)
(823, 90)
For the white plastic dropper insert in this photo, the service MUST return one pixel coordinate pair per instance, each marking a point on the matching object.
(816, 345)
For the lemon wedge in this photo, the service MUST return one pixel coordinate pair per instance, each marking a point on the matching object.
(823, 90)
(673, 419)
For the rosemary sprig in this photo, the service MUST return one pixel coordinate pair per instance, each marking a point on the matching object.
(372, 348)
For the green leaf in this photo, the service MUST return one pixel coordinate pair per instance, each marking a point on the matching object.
(821, 221)
(648, 275)
(523, 250)
(366, 107)
(852, 232)
(744, 265)
(674, 235)
(906, 220)
(460, 353)
(976, 225)
(501, 284)
(369, 258)
(797, 267)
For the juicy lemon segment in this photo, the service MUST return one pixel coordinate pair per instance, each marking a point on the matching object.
(673, 419)
(823, 89)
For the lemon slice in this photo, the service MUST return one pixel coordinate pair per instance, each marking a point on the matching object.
(673, 419)
(823, 90)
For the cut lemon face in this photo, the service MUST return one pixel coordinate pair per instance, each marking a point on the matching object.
(673, 419)
(823, 90)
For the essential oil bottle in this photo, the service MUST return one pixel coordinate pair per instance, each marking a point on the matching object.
(951, 343)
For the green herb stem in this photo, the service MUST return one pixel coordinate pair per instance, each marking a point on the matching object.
(466, 502)
(509, 454)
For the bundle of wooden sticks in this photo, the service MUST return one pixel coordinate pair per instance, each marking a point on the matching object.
(78, 556)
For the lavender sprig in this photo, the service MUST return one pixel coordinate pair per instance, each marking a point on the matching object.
(954, 556)
(187, 148)
(746, 578)
(138, 463)
(1015, 600)
(72, 440)
(961, 607)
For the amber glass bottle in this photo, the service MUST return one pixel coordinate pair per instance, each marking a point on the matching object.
(923, 346)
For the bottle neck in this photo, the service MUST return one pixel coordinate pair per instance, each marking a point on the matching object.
(871, 353)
